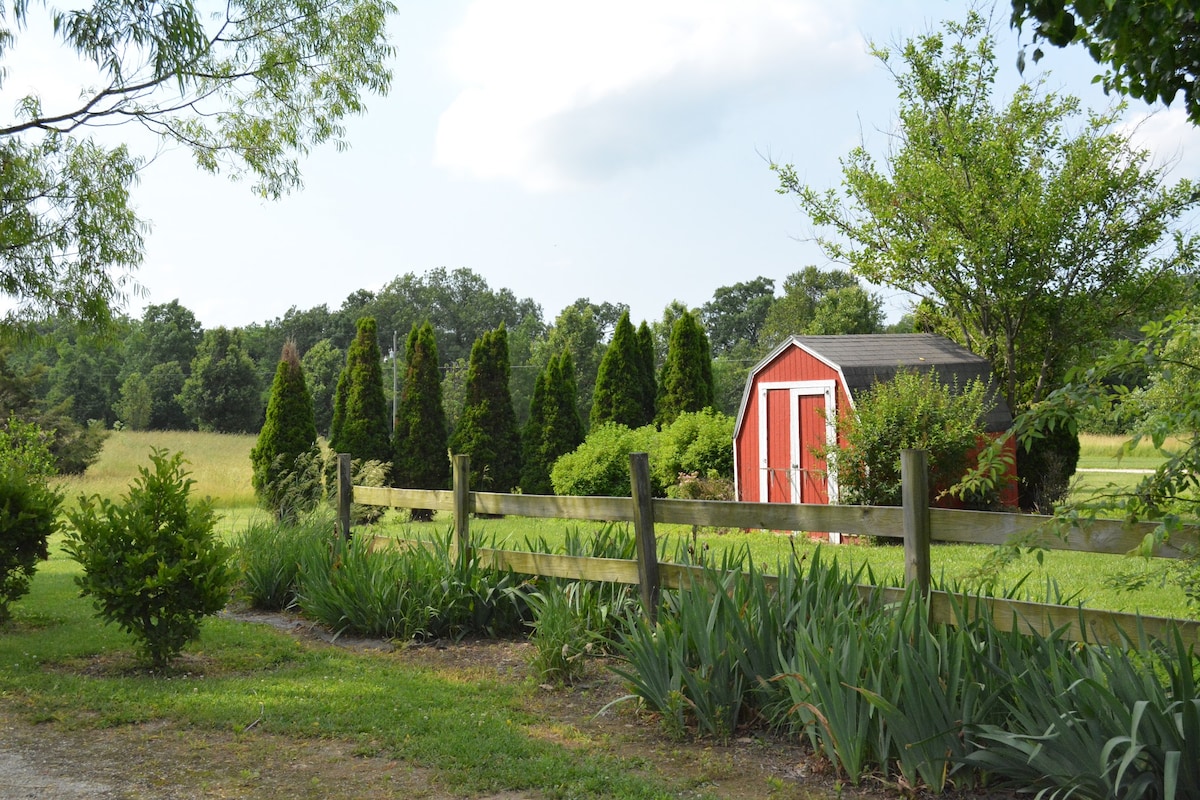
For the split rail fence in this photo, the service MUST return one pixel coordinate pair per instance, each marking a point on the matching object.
(915, 522)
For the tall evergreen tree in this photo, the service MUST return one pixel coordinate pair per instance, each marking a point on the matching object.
(420, 435)
(360, 413)
(487, 429)
(619, 394)
(687, 380)
(554, 427)
(223, 392)
(288, 433)
(535, 474)
(649, 383)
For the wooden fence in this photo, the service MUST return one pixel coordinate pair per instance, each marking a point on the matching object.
(914, 522)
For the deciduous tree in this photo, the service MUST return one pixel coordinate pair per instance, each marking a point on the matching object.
(247, 87)
(735, 316)
(223, 394)
(1035, 239)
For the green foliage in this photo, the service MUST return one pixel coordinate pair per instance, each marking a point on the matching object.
(151, 562)
(965, 177)
(600, 466)
(73, 446)
(28, 508)
(553, 429)
(269, 555)
(579, 328)
(288, 433)
(620, 384)
(360, 413)
(697, 446)
(222, 393)
(735, 316)
(645, 338)
(421, 459)
(136, 406)
(1149, 50)
(686, 382)
(914, 410)
(247, 92)
(166, 333)
(1045, 466)
(420, 592)
(322, 364)
(165, 382)
(487, 430)
(817, 301)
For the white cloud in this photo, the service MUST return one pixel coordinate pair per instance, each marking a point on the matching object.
(1169, 136)
(559, 93)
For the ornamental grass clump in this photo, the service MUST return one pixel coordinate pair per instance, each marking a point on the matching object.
(151, 562)
(269, 555)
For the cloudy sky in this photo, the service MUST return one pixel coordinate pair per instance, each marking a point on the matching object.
(616, 151)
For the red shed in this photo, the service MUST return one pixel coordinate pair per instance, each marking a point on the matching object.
(795, 394)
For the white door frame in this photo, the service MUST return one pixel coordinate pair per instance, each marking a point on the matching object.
(796, 390)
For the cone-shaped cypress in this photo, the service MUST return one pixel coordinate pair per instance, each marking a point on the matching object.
(535, 474)
(649, 384)
(554, 427)
(619, 393)
(289, 431)
(686, 383)
(487, 429)
(564, 428)
(420, 435)
(360, 413)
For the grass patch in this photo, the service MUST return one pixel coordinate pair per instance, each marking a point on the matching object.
(59, 665)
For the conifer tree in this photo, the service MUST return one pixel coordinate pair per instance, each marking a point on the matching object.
(360, 414)
(288, 433)
(420, 435)
(487, 429)
(686, 383)
(649, 384)
(619, 394)
(535, 474)
(564, 429)
(554, 427)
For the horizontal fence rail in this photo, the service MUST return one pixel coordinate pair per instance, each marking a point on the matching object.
(930, 524)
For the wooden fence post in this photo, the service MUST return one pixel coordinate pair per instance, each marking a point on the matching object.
(643, 529)
(914, 480)
(345, 494)
(461, 543)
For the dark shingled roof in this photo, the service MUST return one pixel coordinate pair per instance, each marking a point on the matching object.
(865, 359)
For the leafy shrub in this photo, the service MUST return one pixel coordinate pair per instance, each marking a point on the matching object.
(698, 442)
(911, 411)
(28, 516)
(28, 507)
(269, 555)
(151, 562)
(1045, 466)
(600, 466)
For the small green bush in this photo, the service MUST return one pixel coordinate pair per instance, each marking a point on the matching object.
(697, 445)
(151, 562)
